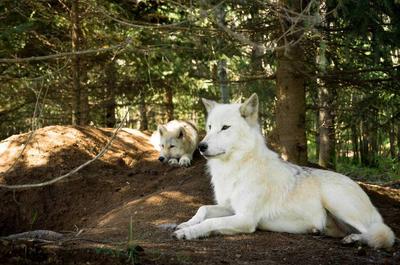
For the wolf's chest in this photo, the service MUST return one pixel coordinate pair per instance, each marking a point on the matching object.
(228, 188)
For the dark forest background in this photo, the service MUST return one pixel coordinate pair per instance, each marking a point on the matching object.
(326, 72)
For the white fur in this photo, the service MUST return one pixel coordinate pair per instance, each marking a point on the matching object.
(176, 141)
(254, 188)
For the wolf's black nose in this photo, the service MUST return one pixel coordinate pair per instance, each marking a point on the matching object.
(203, 146)
(161, 158)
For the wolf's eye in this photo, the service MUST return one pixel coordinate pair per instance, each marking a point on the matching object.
(162, 146)
(209, 127)
(225, 127)
(171, 146)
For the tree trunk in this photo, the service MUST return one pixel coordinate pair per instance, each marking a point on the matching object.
(392, 147)
(398, 142)
(110, 73)
(223, 81)
(169, 104)
(80, 102)
(317, 125)
(326, 127)
(291, 107)
(143, 112)
(354, 140)
(364, 150)
(75, 34)
(84, 106)
(373, 140)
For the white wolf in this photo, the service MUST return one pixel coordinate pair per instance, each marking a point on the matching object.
(176, 141)
(254, 188)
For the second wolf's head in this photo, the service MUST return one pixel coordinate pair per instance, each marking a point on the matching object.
(172, 141)
(231, 129)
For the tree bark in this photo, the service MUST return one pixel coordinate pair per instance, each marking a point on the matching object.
(111, 83)
(354, 140)
(398, 142)
(223, 81)
(364, 150)
(392, 147)
(76, 100)
(80, 103)
(143, 113)
(169, 104)
(327, 138)
(291, 107)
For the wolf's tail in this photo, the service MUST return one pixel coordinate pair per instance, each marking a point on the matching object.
(379, 235)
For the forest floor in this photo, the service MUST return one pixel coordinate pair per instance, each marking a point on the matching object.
(94, 208)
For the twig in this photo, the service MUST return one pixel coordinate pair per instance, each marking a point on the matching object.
(143, 25)
(46, 183)
(62, 54)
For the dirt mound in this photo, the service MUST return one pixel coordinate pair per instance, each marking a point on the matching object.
(128, 183)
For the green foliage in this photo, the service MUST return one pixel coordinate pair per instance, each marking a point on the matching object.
(386, 170)
(173, 48)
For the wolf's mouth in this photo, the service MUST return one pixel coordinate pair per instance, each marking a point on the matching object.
(211, 156)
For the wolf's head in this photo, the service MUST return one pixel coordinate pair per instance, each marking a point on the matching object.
(171, 142)
(229, 128)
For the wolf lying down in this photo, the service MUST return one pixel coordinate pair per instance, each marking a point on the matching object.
(176, 141)
(255, 189)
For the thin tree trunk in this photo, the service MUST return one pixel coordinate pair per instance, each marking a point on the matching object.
(326, 128)
(373, 141)
(354, 140)
(110, 73)
(75, 42)
(398, 142)
(84, 106)
(364, 150)
(317, 134)
(392, 136)
(169, 104)
(143, 113)
(223, 81)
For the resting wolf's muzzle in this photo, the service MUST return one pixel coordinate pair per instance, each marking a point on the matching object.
(203, 147)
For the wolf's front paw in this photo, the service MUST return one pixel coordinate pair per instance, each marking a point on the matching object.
(184, 162)
(185, 233)
(173, 162)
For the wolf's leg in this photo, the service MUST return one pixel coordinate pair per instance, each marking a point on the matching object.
(333, 227)
(352, 238)
(185, 160)
(225, 225)
(205, 212)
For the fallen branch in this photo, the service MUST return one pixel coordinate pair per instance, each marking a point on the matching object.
(51, 237)
(47, 235)
(46, 183)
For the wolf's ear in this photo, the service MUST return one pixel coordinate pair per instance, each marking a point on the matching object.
(209, 104)
(249, 109)
(161, 129)
(181, 133)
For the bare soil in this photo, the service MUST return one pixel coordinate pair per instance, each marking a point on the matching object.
(94, 208)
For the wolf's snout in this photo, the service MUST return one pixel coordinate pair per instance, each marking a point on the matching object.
(161, 158)
(203, 146)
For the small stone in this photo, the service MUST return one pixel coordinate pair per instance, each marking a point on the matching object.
(361, 251)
